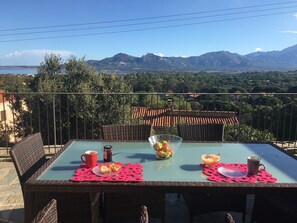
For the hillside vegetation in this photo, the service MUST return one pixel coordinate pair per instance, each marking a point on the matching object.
(270, 114)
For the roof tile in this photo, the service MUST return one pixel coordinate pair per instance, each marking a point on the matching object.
(160, 117)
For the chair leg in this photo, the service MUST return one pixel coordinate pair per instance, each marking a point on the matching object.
(243, 215)
(191, 218)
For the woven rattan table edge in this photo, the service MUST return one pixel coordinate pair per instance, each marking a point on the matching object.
(33, 184)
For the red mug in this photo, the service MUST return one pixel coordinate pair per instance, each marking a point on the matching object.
(90, 158)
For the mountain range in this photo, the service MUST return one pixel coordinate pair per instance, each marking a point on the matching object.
(283, 60)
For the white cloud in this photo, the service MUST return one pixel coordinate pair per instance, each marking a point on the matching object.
(13, 54)
(183, 56)
(289, 31)
(295, 16)
(62, 53)
(30, 57)
(159, 54)
(258, 49)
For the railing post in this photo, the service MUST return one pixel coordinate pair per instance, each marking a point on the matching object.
(54, 119)
(5, 124)
(280, 122)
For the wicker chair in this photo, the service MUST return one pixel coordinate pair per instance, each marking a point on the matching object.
(126, 132)
(28, 156)
(201, 132)
(125, 206)
(199, 203)
(48, 214)
(144, 218)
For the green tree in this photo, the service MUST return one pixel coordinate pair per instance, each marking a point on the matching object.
(51, 66)
(154, 101)
(292, 89)
(5, 132)
(180, 103)
(14, 83)
(93, 99)
(244, 133)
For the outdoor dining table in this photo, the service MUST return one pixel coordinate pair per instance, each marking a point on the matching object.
(181, 173)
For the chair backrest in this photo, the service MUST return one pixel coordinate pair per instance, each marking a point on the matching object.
(28, 156)
(144, 218)
(48, 214)
(201, 132)
(126, 132)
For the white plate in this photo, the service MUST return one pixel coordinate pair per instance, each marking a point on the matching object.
(231, 173)
(96, 171)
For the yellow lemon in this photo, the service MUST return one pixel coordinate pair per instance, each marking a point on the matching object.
(158, 146)
(164, 143)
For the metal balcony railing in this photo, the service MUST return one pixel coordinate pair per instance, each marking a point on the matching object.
(63, 116)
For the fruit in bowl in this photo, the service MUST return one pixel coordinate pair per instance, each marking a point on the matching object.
(211, 159)
(165, 145)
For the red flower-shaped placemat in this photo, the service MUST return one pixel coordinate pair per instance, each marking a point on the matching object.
(214, 175)
(128, 173)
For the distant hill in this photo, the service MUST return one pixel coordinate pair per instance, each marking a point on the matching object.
(213, 61)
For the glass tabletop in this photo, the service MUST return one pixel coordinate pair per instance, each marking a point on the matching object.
(183, 166)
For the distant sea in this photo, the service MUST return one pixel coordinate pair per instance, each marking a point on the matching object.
(18, 70)
(33, 70)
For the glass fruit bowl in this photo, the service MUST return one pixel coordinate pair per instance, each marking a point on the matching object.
(211, 159)
(165, 145)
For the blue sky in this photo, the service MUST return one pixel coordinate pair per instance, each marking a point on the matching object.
(102, 28)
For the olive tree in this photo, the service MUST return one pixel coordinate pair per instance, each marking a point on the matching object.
(73, 101)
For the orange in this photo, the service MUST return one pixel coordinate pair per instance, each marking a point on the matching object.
(160, 154)
(166, 149)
